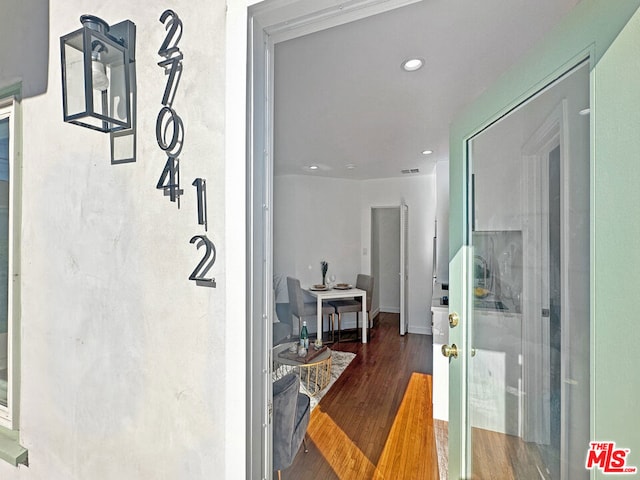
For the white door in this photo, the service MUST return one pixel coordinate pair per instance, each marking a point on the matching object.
(404, 275)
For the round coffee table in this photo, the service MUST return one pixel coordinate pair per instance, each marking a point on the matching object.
(314, 375)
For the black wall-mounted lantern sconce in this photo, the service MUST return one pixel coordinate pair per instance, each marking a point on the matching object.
(98, 79)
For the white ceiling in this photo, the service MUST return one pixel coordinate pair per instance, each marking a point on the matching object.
(341, 97)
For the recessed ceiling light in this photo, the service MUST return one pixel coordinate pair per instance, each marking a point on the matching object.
(427, 152)
(313, 167)
(412, 64)
(350, 166)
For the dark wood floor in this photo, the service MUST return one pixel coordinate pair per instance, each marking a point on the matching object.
(362, 427)
(361, 407)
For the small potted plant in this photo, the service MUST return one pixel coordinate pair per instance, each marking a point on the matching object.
(324, 266)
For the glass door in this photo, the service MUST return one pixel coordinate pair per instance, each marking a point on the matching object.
(527, 408)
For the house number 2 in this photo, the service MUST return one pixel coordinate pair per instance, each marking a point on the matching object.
(170, 138)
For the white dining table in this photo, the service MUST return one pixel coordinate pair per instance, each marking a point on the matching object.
(335, 294)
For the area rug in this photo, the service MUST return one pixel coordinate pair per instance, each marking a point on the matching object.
(339, 362)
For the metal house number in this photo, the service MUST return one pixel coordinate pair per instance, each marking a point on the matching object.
(170, 138)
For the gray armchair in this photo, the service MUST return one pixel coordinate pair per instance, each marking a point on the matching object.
(291, 410)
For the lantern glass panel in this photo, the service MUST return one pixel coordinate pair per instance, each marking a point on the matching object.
(112, 104)
(73, 88)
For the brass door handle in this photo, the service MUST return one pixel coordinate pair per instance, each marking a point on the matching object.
(450, 351)
(454, 319)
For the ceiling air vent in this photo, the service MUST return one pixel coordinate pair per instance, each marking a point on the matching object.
(411, 170)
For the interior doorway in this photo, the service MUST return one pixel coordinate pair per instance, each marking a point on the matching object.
(269, 24)
(388, 262)
(385, 258)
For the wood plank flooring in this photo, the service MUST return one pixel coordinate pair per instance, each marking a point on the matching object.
(497, 456)
(410, 449)
(376, 421)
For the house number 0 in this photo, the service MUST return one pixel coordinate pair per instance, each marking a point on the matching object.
(170, 138)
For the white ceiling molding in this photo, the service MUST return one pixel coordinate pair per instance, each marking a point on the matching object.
(287, 19)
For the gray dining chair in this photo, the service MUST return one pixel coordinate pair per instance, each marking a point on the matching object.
(363, 282)
(300, 309)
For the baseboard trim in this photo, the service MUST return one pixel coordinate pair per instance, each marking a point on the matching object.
(386, 309)
(420, 330)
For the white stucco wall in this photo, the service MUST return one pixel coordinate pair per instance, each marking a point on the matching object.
(126, 371)
(24, 37)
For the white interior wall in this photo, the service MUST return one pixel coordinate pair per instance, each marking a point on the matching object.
(328, 218)
(315, 219)
(442, 215)
(419, 193)
(286, 229)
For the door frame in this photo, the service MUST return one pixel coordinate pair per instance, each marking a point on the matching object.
(552, 134)
(535, 198)
(268, 23)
